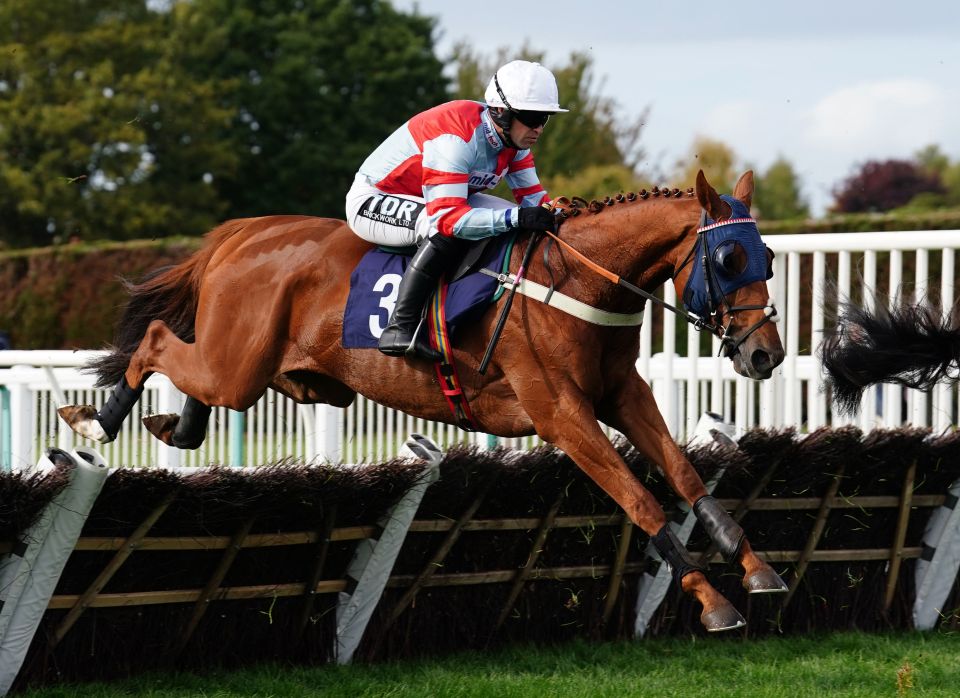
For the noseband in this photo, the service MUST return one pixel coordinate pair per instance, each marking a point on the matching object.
(708, 320)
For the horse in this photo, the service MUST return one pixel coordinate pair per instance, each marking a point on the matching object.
(261, 305)
(908, 344)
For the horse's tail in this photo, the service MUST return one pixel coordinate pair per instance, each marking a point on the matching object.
(910, 345)
(168, 294)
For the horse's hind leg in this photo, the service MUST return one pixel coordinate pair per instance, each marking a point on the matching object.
(104, 424)
(579, 436)
(185, 430)
(160, 351)
(633, 411)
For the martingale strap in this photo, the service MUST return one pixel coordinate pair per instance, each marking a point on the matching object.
(446, 370)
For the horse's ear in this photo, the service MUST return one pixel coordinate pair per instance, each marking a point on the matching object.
(715, 207)
(744, 188)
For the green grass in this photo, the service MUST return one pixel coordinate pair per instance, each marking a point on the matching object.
(845, 664)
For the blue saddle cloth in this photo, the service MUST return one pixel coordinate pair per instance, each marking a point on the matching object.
(374, 284)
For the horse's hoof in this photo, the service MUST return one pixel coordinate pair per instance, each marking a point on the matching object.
(764, 581)
(722, 618)
(83, 420)
(162, 426)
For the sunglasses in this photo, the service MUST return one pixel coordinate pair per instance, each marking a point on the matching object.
(531, 119)
(731, 257)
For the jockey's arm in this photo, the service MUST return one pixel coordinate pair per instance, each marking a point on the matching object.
(523, 180)
(446, 173)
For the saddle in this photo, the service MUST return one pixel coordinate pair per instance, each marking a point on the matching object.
(464, 293)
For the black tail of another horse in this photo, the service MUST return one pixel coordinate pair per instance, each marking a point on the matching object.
(910, 345)
(168, 294)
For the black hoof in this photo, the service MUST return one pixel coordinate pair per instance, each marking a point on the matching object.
(764, 581)
(723, 618)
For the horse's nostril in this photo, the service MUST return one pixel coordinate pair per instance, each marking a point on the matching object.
(761, 361)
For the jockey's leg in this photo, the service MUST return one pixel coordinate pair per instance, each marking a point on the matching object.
(633, 411)
(435, 256)
(565, 423)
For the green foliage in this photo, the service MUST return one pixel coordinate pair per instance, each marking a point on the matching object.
(69, 296)
(103, 133)
(777, 193)
(596, 182)
(950, 178)
(128, 119)
(868, 222)
(591, 134)
(714, 157)
(934, 163)
(932, 160)
(320, 83)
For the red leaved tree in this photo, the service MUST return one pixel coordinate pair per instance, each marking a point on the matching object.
(883, 185)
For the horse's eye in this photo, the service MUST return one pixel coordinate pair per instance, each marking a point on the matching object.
(731, 257)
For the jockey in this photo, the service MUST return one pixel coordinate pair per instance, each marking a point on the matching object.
(422, 185)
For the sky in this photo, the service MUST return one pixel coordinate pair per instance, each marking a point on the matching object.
(826, 85)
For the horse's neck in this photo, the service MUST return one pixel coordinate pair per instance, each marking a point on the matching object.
(642, 243)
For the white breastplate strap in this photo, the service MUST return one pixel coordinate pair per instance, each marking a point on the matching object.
(569, 305)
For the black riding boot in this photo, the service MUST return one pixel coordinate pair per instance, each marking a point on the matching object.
(433, 258)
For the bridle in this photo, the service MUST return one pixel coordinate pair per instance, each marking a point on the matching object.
(729, 343)
(712, 320)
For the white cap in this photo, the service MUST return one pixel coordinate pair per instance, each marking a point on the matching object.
(527, 87)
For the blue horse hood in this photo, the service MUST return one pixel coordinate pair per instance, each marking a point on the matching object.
(741, 228)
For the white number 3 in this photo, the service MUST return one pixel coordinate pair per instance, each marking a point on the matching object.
(391, 281)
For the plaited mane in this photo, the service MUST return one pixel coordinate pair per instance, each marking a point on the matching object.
(574, 206)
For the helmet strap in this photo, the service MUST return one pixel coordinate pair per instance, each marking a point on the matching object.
(504, 119)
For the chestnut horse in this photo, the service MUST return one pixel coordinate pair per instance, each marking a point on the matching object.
(261, 305)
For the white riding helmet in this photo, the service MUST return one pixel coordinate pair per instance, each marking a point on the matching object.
(526, 86)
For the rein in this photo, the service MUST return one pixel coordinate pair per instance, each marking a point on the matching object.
(727, 341)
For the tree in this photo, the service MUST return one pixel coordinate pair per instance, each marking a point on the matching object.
(320, 84)
(932, 160)
(596, 182)
(592, 134)
(951, 184)
(777, 195)
(103, 136)
(714, 157)
(882, 186)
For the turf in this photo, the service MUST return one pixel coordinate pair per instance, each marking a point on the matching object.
(842, 664)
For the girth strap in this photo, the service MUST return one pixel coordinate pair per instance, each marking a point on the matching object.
(446, 369)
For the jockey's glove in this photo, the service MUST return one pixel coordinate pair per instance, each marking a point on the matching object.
(536, 218)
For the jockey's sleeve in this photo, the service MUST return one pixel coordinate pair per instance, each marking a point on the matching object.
(446, 174)
(523, 181)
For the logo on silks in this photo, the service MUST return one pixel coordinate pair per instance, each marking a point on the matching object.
(392, 210)
(736, 257)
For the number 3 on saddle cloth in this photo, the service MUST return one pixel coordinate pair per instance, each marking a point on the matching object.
(373, 294)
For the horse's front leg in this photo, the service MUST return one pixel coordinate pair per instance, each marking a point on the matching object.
(633, 411)
(570, 424)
